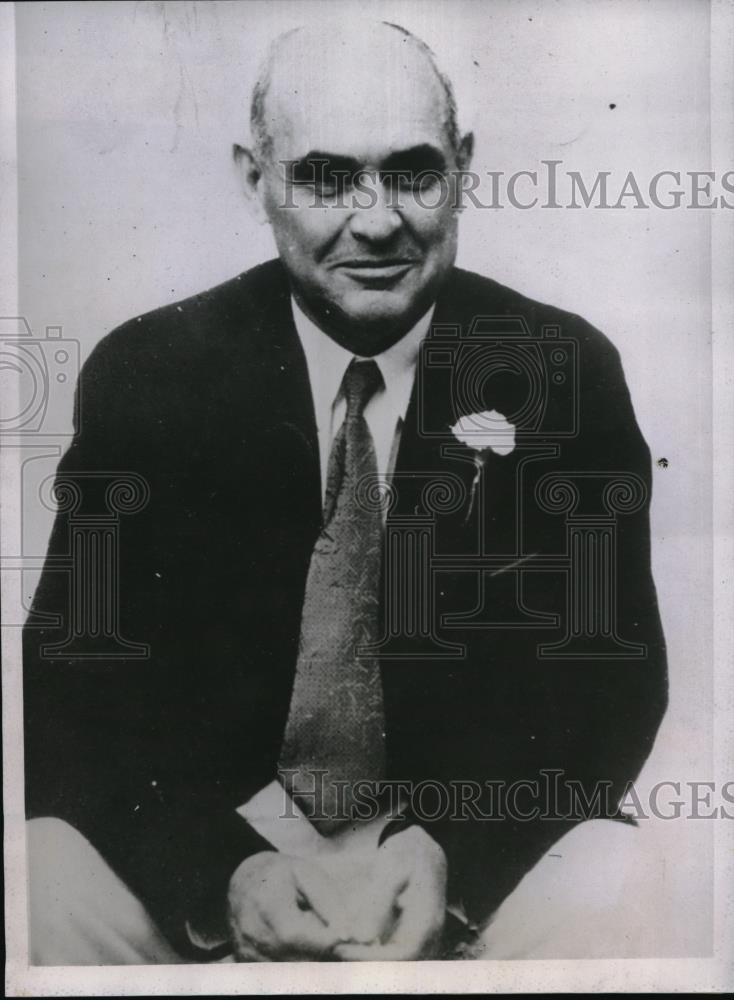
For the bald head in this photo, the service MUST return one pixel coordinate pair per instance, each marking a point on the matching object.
(365, 72)
(356, 166)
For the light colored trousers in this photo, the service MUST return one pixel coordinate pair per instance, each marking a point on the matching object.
(599, 893)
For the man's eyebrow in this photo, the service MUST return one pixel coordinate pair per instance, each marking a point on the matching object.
(415, 159)
(315, 162)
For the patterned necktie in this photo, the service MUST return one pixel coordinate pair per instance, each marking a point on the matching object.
(336, 719)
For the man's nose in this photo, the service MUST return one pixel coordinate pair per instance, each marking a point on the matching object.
(377, 220)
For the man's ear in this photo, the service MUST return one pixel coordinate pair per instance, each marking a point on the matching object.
(465, 151)
(251, 180)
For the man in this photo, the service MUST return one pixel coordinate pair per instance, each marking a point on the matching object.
(301, 635)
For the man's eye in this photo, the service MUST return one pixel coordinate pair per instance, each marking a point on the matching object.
(317, 175)
(321, 178)
(411, 180)
(333, 182)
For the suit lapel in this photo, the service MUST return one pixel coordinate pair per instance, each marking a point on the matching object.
(461, 514)
(286, 418)
(434, 472)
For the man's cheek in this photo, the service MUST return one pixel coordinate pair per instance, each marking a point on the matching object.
(304, 215)
(432, 227)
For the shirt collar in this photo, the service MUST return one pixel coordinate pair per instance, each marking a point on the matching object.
(327, 361)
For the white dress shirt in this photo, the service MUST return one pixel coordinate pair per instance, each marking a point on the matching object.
(385, 413)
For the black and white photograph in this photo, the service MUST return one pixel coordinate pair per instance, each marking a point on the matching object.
(366, 499)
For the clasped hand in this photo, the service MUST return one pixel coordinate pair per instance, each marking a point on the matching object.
(387, 906)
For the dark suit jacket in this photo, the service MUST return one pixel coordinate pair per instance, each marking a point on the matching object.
(208, 402)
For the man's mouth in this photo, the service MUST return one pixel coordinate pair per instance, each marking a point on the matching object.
(375, 271)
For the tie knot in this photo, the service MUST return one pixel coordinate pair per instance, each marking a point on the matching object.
(361, 381)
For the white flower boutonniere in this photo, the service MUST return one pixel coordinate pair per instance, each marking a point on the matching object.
(484, 432)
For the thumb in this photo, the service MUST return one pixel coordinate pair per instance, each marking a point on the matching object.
(321, 894)
(372, 905)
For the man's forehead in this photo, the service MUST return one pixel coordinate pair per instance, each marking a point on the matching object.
(352, 99)
(369, 139)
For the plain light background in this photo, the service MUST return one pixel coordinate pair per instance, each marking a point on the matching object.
(129, 199)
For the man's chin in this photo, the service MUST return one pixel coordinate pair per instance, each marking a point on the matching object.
(366, 321)
(379, 320)
(372, 335)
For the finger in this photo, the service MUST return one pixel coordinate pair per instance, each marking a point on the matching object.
(320, 894)
(417, 931)
(373, 900)
(249, 943)
(406, 944)
(267, 923)
(373, 914)
(372, 953)
(245, 951)
(302, 934)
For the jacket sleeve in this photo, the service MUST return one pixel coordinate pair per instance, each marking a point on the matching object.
(97, 714)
